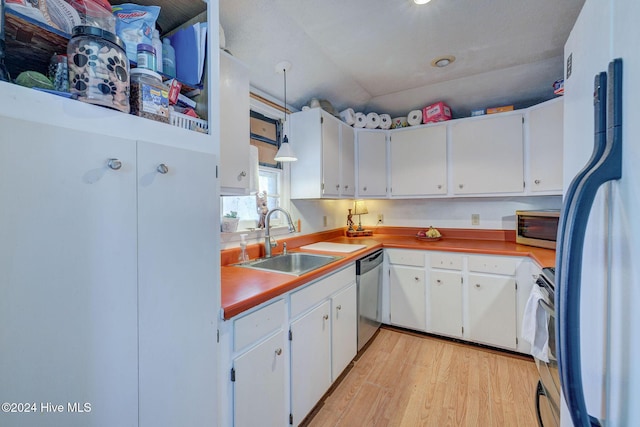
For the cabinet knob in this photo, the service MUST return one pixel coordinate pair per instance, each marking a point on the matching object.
(439, 186)
(278, 351)
(417, 279)
(438, 281)
(337, 186)
(535, 277)
(460, 185)
(114, 164)
(477, 285)
(339, 307)
(325, 317)
(346, 187)
(364, 188)
(537, 181)
(162, 168)
(241, 175)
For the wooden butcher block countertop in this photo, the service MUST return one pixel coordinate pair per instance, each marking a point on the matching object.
(245, 288)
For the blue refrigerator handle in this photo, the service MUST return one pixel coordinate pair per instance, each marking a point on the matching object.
(571, 236)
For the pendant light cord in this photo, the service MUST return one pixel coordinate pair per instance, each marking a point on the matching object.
(284, 72)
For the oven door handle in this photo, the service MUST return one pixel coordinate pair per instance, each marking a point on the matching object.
(550, 310)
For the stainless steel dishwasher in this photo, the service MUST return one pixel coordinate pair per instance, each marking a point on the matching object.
(369, 283)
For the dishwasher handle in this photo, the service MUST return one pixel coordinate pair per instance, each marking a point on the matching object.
(369, 262)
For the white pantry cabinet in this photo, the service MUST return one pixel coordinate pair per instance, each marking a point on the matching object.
(418, 161)
(372, 163)
(326, 156)
(545, 132)
(487, 154)
(234, 125)
(407, 287)
(95, 233)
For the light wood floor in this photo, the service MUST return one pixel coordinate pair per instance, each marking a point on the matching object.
(405, 379)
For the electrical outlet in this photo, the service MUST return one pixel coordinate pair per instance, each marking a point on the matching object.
(380, 218)
(324, 220)
(475, 219)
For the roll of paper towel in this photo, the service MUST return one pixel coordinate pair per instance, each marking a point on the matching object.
(348, 116)
(361, 120)
(373, 121)
(385, 121)
(414, 117)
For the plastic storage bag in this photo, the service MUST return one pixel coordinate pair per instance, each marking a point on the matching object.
(135, 25)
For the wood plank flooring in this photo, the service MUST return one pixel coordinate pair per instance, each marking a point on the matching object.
(407, 379)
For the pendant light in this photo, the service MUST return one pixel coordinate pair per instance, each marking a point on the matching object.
(285, 152)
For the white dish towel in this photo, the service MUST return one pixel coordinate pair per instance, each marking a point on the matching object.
(534, 325)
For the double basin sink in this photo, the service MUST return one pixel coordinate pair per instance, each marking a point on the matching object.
(295, 263)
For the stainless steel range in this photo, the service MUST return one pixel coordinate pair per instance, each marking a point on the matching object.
(548, 390)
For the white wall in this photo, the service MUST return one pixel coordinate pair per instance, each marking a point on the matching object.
(495, 213)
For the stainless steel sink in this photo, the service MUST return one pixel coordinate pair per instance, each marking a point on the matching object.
(296, 263)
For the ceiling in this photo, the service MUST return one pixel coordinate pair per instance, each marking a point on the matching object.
(375, 55)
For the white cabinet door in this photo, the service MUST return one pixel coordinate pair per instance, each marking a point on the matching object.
(234, 125)
(68, 294)
(177, 325)
(310, 360)
(445, 303)
(487, 155)
(372, 164)
(492, 310)
(259, 387)
(407, 300)
(419, 161)
(545, 147)
(331, 180)
(344, 327)
(347, 161)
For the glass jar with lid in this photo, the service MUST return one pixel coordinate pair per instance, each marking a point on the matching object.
(149, 96)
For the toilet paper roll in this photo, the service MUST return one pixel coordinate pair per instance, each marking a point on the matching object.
(385, 121)
(348, 116)
(414, 117)
(361, 120)
(373, 121)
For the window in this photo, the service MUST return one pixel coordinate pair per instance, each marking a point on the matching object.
(247, 207)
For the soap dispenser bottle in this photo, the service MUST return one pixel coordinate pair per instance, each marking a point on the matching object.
(244, 256)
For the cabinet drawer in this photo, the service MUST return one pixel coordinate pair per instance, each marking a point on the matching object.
(493, 265)
(398, 256)
(250, 328)
(309, 296)
(447, 261)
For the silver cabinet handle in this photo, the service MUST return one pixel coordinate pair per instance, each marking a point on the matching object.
(114, 164)
(278, 351)
(325, 317)
(337, 186)
(364, 188)
(537, 181)
(417, 279)
(460, 185)
(477, 285)
(162, 168)
(243, 174)
(439, 186)
(339, 307)
(346, 187)
(438, 281)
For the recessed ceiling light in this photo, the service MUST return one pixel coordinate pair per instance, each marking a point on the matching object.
(421, 1)
(443, 61)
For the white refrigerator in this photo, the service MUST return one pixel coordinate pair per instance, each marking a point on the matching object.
(608, 308)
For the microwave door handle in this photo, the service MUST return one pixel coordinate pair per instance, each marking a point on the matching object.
(608, 167)
(600, 139)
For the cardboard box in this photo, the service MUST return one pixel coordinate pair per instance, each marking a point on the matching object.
(437, 112)
(263, 128)
(500, 109)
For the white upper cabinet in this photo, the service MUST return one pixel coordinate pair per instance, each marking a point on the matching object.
(418, 159)
(487, 154)
(372, 163)
(326, 156)
(545, 133)
(234, 125)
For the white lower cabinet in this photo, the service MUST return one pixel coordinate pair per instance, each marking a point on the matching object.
(259, 368)
(407, 287)
(310, 360)
(445, 303)
(492, 310)
(323, 338)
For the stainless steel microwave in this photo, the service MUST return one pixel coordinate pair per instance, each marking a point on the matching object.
(537, 228)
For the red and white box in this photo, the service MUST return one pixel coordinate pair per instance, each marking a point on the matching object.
(437, 112)
(174, 90)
